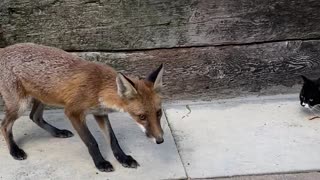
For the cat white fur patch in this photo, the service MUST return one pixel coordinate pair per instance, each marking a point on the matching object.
(305, 105)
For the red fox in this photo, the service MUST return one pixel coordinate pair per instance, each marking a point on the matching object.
(43, 75)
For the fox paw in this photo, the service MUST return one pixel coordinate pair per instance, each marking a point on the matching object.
(105, 167)
(63, 134)
(18, 154)
(128, 162)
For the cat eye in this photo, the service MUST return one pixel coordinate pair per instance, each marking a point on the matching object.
(142, 117)
(310, 100)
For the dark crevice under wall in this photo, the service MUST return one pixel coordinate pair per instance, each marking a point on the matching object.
(186, 47)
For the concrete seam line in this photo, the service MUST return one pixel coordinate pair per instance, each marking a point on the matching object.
(183, 164)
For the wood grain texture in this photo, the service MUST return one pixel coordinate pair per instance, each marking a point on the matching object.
(90, 25)
(218, 72)
(222, 72)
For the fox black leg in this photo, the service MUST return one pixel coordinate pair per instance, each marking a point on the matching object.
(36, 115)
(125, 160)
(12, 107)
(78, 122)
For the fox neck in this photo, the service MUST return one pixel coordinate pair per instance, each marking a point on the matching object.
(112, 100)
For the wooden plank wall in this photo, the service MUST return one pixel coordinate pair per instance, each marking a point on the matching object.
(211, 48)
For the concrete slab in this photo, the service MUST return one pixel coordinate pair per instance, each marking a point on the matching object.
(53, 158)
(245, 136)
(298, 176)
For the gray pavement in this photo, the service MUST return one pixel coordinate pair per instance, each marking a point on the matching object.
(248, 138)
(54, 158)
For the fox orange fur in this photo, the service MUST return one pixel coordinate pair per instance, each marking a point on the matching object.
(43, 75)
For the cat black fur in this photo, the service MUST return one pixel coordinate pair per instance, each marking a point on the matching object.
(310, 92)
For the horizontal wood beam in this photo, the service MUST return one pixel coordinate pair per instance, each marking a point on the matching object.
(221, 72)
(218, 72)
(94, 25)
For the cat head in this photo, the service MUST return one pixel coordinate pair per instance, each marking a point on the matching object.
(310, 92)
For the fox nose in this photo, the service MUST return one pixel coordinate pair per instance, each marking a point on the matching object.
(159, 140)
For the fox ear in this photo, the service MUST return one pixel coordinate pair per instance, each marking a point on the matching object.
(125, 87)
(156, 78)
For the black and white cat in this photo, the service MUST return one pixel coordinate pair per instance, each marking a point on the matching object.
(310, 92)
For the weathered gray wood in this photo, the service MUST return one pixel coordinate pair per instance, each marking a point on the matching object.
(218, 72)
(142, 24)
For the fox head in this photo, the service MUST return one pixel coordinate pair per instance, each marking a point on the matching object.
(143, 102)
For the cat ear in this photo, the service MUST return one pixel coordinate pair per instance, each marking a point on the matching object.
(156, 78)
(125, 87)
(305, 79)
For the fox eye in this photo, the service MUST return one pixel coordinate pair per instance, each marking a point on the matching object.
(142, 117)
(159, 112)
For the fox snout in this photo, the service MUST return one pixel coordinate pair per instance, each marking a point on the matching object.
(158, 139)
